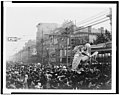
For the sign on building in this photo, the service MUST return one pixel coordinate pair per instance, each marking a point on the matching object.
(13, 39)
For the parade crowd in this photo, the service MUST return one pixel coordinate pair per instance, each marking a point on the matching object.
(37, 76)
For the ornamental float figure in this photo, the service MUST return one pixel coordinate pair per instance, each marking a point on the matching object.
(82, 55)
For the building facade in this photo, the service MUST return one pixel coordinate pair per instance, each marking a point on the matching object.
(43, 42)
(56, 47)
(27, 54)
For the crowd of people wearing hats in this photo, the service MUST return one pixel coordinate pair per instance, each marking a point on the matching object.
(37, 76)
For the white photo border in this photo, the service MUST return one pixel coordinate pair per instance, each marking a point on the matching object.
(114, 47)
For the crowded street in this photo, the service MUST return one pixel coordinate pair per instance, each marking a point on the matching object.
(37, 76)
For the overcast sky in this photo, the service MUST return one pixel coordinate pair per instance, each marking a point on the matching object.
(22, 21)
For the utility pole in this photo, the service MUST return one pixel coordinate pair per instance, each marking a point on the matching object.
(89, 31)
(28, 53)
(70, 49)
(110, 17)
(74, 24)
(67, 50)
(58, 52)
(21, 55)
(71, 33)
(48, 54)
(42, 46)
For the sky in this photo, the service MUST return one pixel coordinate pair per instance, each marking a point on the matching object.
(21, 21)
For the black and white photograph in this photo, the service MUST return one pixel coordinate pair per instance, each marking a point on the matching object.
(59, 47)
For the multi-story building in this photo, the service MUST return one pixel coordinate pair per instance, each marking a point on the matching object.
(66, 43)
(42, 40)
(27, 54)
(57, 46)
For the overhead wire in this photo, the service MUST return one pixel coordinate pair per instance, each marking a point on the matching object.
(101, 13)
(95, 21)
(93, 17)
(92, 24)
